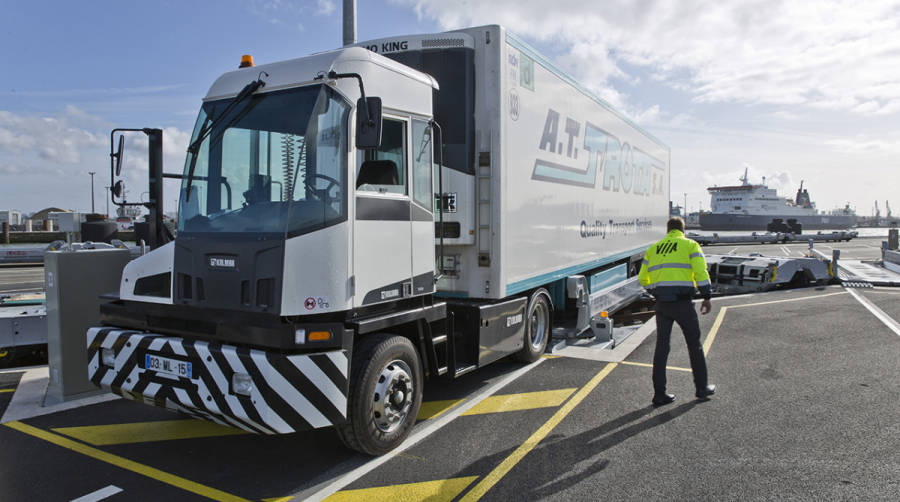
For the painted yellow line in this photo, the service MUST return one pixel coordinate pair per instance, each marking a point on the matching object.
(509, 462)
(434, 409)
(646, 365)
(279, 499)
(522, 401)
(124, 463)
(714, 330)
(7, 390)
(442, 490)
(144, 432)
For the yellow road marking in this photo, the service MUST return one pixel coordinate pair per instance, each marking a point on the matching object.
(522, 401)
(124, 463)
(509, 462)
(7, 390)
(434, 409)
(646, 365)
(434, 491)
(549, 356)
(143, 432)
(715, 329)
(279, 499)
(165, 430)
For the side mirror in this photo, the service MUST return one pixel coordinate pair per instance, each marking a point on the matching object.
(118, 189)
(118, 155)
(368, 123)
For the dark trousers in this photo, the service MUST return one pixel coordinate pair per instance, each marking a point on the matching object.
(684, 313)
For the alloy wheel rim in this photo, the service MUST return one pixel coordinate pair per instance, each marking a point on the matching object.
(538, 325)
(393, 396)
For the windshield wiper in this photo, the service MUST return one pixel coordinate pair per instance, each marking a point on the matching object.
(194, 147)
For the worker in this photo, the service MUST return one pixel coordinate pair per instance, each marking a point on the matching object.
(671, 270)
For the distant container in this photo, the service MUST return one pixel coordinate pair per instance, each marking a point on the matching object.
(97, 228)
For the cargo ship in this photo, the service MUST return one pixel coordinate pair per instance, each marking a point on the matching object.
(751, 206)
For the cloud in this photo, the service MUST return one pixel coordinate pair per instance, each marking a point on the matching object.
(828, 54)
(660, 119)
(784, 115)
(55, 138)
(325, 7)
(42, 157)
(865, 145)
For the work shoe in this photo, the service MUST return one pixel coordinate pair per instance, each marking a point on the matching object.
(664, 398)
(704, 393)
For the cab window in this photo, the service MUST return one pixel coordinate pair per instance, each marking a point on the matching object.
(423, 191)
(384, 170)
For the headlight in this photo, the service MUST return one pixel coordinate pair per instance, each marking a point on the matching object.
(242, 384)
(108, 357)
(300, 336)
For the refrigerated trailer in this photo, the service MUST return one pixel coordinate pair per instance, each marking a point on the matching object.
(356, 221)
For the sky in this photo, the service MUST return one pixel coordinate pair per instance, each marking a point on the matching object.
(790, 90)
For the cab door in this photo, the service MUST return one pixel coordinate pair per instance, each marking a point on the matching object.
(382, 249)
(422, 206)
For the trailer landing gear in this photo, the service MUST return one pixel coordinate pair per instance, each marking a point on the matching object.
(385, 394)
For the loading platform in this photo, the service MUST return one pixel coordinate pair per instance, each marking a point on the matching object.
(860, 273)
(772, 237)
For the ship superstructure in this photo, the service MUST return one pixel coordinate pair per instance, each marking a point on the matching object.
(751, 206)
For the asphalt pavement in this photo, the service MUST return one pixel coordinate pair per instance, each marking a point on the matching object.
(806, 409)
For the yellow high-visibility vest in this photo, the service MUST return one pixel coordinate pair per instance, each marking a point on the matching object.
(674, 266)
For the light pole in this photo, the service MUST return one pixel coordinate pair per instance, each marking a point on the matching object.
(92, 173)
(685, 205)
(107, 201)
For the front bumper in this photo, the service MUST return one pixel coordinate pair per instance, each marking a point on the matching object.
(289, 392)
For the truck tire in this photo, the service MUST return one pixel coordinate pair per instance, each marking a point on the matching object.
(385, 394)
(537, 327)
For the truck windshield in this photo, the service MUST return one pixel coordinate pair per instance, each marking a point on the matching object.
(277, 167)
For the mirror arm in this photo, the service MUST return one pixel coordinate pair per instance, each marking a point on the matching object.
(333, 75)
(112, 163)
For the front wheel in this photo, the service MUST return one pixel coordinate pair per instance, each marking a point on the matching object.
(385, 394)
(537, 327)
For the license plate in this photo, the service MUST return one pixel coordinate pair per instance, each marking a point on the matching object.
(168, 366)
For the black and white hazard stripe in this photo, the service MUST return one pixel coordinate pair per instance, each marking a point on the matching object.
(290, 392)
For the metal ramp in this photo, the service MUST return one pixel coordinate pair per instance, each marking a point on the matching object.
(593, 327)
(852, 273)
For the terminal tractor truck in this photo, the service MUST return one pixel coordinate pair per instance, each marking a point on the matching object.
(357, 221)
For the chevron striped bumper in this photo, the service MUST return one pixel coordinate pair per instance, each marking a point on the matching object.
(289, 393)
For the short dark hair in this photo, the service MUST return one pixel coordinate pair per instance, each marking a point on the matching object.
(675, 223)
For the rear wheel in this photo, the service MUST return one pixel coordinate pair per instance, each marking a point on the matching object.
(385, 394)
(537, 327)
